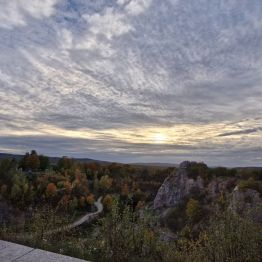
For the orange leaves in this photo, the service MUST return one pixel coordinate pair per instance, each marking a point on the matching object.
(93, 166)
(80, 183)
(51, 190)
(125, 190)
(64, 202)
(82, 201)
(90, 199)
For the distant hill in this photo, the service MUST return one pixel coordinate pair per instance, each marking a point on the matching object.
(249, 168)
(164, 165)
(4, 155)
(54, 160)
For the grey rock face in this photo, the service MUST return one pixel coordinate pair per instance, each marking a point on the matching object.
(218, 186)
(176, 187)
(246, 202)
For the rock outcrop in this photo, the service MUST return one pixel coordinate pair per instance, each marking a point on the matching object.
(246, 202)
(216, 190)
(177, 186)
(218, 186)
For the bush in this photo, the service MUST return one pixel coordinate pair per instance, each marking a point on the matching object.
(193, 210)
(251, 184)
(107, 202)
(33, 232)
(228, 238)
(197, 169)
(175, 218)
(124, 236)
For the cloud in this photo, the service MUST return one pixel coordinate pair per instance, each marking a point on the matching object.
(109, 24)
(136, 7)
(190, 71)
(242, 132)
(15, 12)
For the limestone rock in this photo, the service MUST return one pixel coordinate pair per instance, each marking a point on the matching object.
(220, 185)
(246, 202)
(176, 186)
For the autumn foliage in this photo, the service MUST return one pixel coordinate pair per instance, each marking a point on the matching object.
(51, 190)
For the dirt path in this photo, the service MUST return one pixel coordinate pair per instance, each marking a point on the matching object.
(85, 219)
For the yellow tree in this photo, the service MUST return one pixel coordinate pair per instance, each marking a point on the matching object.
(105, 183)
(68, 187)
(193, 210)
(108, 202)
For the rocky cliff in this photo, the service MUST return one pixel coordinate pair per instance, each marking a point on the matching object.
(182, 184)
(177, 186)
(247, 202)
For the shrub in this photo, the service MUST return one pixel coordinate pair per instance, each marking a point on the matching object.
(251, 184)
(228, 238)
(125, 235)
(175, 218)
(108, 202)
(198, 169)
(193, 210)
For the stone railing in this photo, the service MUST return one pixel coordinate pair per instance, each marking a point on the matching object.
(13, 252)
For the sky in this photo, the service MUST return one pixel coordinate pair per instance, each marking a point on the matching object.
(133, 80)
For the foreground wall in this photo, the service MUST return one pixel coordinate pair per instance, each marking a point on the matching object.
(14, 252)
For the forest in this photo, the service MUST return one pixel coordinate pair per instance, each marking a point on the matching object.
(37, 194)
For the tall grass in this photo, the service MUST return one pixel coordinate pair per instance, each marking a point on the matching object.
(228, 238)
(123, 235)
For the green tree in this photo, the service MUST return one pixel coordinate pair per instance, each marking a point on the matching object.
(7, 170)
(16, 192)
(65, 163)
(73, 204)
(21, 192)
(44, 162)
(3, 191)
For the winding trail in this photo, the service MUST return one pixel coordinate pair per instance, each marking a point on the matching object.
(85, 219)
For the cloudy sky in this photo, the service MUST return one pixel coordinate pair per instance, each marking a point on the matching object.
(133, 80)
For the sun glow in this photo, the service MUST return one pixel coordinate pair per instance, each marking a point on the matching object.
(180, 134)
(159, 138)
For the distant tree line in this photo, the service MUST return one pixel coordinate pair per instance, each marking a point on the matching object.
(33, 162)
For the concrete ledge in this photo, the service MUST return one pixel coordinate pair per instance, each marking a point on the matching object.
(13, 252)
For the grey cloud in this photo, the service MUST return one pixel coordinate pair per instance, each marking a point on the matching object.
(242, 132)
(106, 150)
(182, 62)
